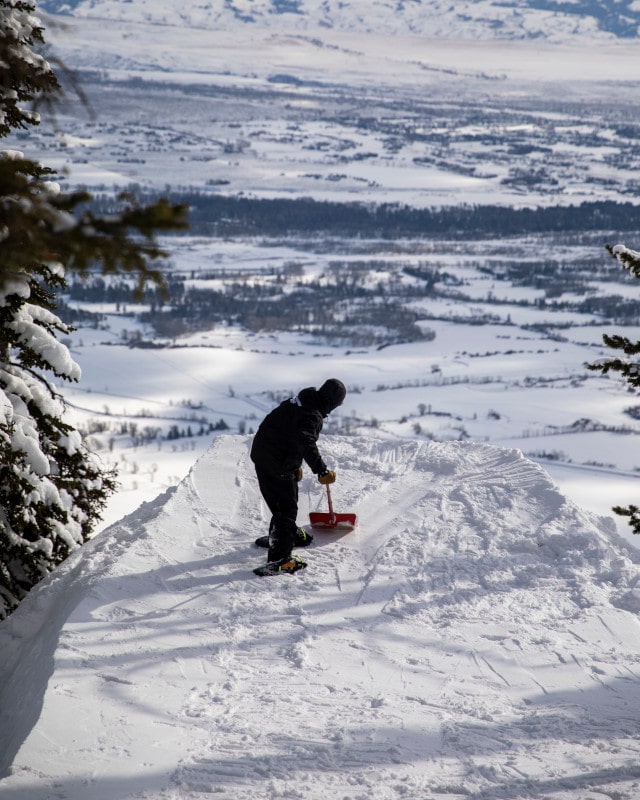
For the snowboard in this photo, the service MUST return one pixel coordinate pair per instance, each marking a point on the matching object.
(303, 539)
(275, 568)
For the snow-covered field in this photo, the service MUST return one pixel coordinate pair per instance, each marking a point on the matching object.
(474, 637)
(345, 116)
(466, 19)
(515, 385)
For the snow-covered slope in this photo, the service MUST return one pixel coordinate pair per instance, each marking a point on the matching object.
(475, 637)
(469, 19)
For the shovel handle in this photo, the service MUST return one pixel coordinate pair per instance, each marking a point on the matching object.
(331, 514)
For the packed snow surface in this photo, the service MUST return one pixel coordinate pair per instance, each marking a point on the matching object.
(475, 637)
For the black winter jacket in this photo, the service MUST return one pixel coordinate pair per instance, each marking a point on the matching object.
(289, 433)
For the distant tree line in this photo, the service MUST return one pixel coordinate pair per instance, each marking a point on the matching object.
(348, 316)
(98, 290)
(217, 214)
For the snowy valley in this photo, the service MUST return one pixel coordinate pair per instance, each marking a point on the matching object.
(510, 312)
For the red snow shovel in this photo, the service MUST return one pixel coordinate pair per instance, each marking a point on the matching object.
(320, 519)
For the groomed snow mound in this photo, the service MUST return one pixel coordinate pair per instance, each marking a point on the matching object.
(475, 637)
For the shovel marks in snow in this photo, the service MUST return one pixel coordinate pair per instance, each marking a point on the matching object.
(426, 653)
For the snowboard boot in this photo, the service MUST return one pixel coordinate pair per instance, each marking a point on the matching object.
(301, 539)
(289, 565)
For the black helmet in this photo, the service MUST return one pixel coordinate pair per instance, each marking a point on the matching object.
(332, 393)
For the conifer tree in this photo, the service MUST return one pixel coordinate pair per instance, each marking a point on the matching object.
(52, 489)
(626, 365)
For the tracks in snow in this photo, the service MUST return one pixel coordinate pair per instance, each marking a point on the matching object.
(473, 638)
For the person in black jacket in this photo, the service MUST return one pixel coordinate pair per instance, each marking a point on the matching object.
(286, 437)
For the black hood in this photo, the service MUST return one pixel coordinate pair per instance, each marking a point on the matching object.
(329, 396)
(332, 394)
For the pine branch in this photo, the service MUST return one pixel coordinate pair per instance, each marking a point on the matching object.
(52, 489)
(629, 259)
(628, 369)
(621, 343)
(24, 74)
(38, 226)
(631, 511)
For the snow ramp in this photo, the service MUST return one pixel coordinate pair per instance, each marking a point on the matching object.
(476, 637)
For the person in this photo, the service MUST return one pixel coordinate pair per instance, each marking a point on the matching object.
(286, 437)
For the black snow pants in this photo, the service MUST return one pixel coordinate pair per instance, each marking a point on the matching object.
(280, 493)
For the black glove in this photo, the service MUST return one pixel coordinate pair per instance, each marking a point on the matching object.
(299, 474)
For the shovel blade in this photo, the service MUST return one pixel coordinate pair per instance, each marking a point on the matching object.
(328, 521)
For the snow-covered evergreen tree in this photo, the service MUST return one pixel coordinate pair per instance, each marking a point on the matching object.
(24, 73)
(51, 488)
(627, 366)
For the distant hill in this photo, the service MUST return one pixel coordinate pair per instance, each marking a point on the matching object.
(551, 20)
